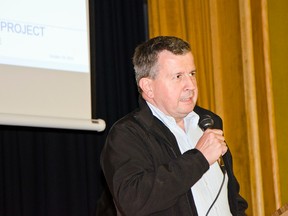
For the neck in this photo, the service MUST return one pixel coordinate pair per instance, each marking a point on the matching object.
(181, 124)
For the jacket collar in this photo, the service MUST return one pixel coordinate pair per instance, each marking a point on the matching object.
(154, 126)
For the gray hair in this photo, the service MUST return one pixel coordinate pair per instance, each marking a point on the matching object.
(145, 57)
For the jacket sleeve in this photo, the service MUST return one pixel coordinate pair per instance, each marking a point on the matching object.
(139, 187)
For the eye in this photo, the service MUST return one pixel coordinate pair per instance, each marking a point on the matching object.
(178, 76)
(192, 73)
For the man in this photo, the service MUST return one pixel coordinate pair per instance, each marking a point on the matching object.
(157, 160)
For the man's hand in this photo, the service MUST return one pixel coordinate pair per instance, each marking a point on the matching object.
(212, 145)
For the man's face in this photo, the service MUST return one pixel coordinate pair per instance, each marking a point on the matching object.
(174, 90)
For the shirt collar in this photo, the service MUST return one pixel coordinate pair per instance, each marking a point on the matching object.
(191, 120)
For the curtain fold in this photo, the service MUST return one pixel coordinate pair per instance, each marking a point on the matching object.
(230, 43)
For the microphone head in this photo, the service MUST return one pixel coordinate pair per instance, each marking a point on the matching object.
(206, 122)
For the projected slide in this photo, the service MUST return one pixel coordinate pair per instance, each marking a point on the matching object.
(46, 34)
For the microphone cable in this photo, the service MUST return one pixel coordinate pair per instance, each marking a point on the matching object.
(220, 189)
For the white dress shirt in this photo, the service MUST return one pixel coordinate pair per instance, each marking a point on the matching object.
(205, 190)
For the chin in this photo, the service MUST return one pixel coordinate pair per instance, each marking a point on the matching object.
(189, 109)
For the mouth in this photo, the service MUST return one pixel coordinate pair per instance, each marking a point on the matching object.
(186, 99)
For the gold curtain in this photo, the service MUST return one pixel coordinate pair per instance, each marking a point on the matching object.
(230, 43)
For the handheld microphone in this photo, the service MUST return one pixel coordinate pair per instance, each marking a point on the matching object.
(206, 122)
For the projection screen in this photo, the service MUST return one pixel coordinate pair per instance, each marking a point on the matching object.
(45, 64)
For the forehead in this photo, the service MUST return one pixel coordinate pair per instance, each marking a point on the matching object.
(166, 55)
(169, 60)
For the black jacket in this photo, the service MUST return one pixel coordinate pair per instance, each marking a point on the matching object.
(147, 174)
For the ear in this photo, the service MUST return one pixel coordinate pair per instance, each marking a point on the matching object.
(146, 86)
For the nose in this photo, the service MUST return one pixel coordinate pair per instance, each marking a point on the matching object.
(190, 82)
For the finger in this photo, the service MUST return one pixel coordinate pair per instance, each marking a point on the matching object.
(224, 148)
(216, 131)
(221, 138)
